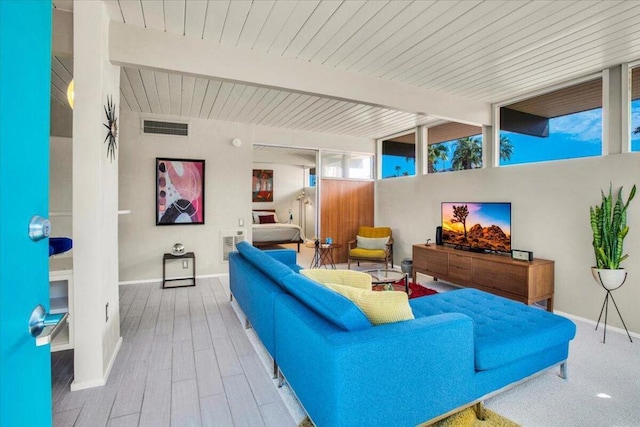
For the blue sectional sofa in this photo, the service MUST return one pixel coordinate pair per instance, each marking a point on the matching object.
(461, 347)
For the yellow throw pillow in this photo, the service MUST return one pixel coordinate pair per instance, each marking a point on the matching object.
(379, 306)
(355, 279)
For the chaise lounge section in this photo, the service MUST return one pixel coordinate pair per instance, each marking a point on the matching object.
(461, 347)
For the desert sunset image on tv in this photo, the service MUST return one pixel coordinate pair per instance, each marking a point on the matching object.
(477, 225)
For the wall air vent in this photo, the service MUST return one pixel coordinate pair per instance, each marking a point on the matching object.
(230, 238)
(165, 128)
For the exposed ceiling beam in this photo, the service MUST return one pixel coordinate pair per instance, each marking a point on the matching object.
(134, 46)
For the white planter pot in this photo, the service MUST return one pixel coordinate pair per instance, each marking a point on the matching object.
(609, 279)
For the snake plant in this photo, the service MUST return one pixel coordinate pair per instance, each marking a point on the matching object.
(609, 225)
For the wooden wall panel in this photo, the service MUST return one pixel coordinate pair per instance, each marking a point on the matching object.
(345, 206)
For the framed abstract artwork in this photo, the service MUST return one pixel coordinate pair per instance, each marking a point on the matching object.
(179, 191)
(262, 185)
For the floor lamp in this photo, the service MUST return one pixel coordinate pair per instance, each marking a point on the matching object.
(302, 200)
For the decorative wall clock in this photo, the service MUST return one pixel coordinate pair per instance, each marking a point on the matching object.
(112, 126)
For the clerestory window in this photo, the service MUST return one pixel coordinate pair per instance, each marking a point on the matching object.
(563, 124)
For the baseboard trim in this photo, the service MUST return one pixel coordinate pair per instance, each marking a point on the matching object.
(594, 323)
(146, 281)
(75, 386)
(113, 359)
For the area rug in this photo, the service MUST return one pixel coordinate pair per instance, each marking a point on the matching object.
(464, 418)
(467, 418)
(416, 290)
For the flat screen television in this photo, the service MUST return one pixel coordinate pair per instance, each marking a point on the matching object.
(483, 227)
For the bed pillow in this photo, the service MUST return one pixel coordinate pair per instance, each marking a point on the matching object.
(267, 219)
(380, 307)
(372, 242)
(258, 214)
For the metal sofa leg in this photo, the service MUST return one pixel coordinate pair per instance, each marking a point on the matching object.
(247, 324)
(480, 411)
(563, 370)
(275, 369)
(280, 378)
(230, 297)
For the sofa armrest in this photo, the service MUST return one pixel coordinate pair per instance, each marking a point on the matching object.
(413, 365)
(351, 243)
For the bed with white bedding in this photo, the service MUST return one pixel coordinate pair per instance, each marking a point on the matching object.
(267, 233)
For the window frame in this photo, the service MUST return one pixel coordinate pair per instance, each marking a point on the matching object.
(344, 154)
(495, 124)
(424, 144)
(417, 131)
(627, 125)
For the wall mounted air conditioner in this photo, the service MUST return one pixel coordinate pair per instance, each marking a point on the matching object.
(161, 127)
(230, 238)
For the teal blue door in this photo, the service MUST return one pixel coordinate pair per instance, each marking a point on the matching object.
(25, 58)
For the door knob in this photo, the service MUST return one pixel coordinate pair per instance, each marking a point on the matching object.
(39, 228)
(44, 326)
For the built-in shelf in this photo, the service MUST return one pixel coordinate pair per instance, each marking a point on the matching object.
(59, 305)
(61, 299)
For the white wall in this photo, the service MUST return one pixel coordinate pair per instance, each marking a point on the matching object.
(227, 194)
(227, 188)
(550, 216)
(95, 195)
(60, 186)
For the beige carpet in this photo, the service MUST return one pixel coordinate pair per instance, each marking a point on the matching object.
(465, 418)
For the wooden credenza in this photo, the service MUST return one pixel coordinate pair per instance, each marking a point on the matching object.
(528, 282)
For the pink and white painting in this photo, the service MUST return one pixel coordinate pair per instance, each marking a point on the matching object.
(179, 191)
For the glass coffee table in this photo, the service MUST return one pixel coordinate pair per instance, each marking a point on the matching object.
(386, 279)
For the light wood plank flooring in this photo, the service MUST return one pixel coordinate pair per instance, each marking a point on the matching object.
(185, 360)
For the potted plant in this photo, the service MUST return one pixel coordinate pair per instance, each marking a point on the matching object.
(609, 225)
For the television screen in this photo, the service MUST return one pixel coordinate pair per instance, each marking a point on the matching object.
(479, 226)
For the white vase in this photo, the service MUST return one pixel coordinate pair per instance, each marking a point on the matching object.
(608, 278)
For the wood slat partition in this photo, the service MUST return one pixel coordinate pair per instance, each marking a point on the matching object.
(346, 205)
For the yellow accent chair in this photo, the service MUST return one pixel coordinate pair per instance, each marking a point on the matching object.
(372, 244)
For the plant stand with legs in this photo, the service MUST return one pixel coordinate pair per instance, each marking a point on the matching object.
(605, 308)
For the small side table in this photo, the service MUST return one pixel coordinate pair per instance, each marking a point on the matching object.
(192, 278)
(323, 255)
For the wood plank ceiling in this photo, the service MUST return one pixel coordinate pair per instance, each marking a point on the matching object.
(481, 50)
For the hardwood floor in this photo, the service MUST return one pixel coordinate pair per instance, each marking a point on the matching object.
(185, 360)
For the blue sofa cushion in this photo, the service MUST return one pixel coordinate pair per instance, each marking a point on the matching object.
(504, 330)
(285, 256)
(263, 262)
(327, 303)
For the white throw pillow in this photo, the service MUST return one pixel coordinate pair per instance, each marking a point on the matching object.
(257, 214)
(372, 242)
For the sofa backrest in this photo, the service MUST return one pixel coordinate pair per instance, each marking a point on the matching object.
(327, 303)
(271, 267)
(285, 256)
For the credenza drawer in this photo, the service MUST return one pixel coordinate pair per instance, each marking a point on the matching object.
(508, 278)
(459, 272)
(430, 262)
(459, 261)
